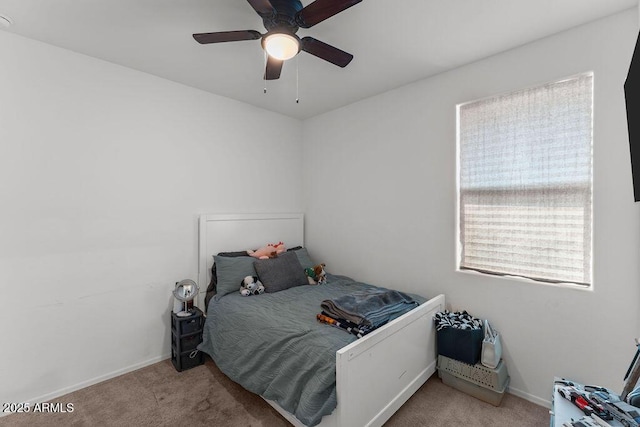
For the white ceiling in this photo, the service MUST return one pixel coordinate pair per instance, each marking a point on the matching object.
(394, 42)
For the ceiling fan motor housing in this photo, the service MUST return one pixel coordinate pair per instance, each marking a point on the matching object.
(284, 19)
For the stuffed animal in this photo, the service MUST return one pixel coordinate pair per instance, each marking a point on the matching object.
(271, 250)
(316, 275)
(250, 285)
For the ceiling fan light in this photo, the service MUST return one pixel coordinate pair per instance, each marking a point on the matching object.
(281, 46)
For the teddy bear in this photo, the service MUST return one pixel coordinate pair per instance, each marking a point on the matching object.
(250, 285)
(271, 250)
(316, 274)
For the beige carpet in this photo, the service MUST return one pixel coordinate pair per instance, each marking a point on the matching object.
(158, 395)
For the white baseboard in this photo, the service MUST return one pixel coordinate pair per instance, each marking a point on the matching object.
(92, 381)
(530, 397)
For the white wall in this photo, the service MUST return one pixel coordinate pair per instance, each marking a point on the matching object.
(103, 172)
(385, 191)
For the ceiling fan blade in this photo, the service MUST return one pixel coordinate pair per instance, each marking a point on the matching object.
(263, 7)
(320, 10)
(326, 51)
(227, 36)
(273, 69)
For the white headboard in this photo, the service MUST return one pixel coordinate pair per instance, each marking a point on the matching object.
(239, 232)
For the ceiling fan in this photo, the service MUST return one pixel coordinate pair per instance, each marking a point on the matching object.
(282, 18)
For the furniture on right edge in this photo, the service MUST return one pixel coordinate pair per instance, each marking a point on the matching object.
(563, 411)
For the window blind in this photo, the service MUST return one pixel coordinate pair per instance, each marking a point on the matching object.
(525, 182)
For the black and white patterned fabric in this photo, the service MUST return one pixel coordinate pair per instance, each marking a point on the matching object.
(458, 319)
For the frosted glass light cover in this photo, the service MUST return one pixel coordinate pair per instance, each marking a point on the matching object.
(281, 46)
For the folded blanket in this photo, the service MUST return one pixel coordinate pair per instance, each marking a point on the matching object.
(362, 329)
(371, 308)
(341, 324)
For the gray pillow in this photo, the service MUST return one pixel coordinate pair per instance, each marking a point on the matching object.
(303, 257)
(231, 271)
(283, 272)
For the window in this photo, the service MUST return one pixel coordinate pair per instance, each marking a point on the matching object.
(524, 183)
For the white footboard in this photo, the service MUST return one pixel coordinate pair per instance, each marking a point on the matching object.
(378, 373)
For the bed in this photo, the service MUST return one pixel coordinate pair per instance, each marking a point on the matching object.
(338, 380)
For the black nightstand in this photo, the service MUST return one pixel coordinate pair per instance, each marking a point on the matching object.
(186, 334)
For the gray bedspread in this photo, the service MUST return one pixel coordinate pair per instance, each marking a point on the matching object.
(272, 345)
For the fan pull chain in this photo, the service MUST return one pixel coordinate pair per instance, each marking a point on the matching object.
(297, 80)
(264, 68)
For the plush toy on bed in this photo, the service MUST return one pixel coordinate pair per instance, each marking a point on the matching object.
(316, 275)
(271, 250)
(250, 285)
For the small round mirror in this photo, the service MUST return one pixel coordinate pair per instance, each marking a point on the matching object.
(185, 291)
